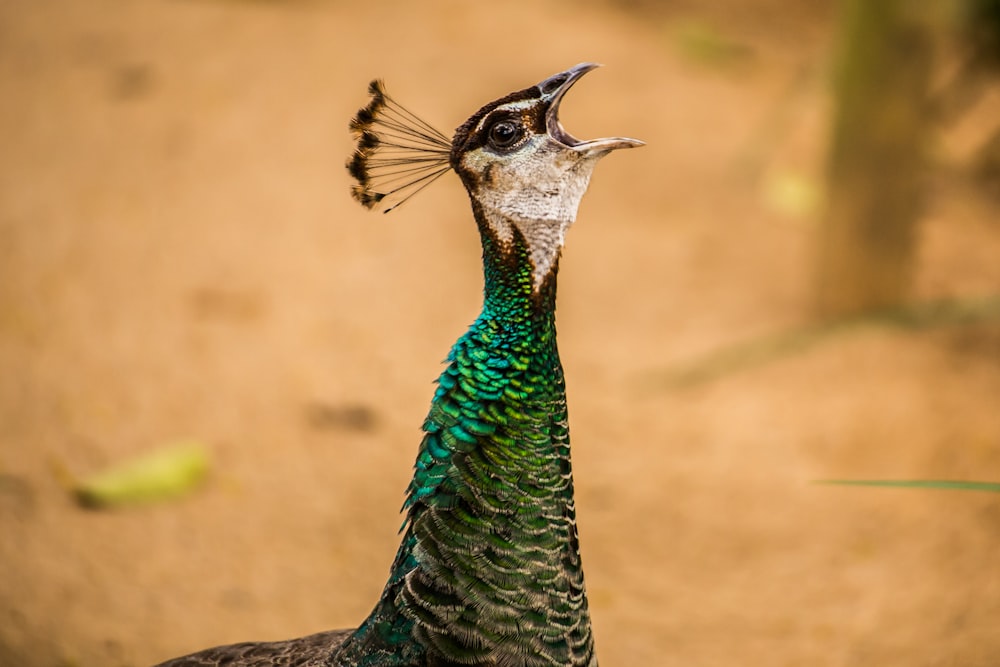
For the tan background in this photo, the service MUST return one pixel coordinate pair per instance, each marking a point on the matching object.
(179, 258)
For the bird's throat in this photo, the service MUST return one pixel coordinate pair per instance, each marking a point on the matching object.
(518, 249)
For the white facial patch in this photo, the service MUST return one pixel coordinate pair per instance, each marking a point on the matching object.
(536, 189)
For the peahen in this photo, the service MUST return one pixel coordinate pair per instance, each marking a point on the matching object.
(488, 571)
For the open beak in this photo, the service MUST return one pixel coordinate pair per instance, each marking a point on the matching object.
(553, 89)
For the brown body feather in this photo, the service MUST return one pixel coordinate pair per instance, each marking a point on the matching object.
(310, 651)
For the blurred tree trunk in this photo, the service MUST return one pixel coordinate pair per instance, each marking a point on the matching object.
(876, 160)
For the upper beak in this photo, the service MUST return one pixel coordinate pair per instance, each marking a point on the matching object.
(553, 89)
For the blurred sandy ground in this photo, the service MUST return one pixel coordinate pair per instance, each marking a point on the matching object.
(179, 257)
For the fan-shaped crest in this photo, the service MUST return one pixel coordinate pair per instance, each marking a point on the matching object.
(397, 155)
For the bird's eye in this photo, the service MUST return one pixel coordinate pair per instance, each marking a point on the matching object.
(504, 133)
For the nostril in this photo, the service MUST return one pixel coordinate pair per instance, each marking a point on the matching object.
(551, 85)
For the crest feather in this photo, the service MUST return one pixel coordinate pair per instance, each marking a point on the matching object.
(397, 154)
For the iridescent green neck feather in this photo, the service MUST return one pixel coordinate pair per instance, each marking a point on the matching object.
(489, 569)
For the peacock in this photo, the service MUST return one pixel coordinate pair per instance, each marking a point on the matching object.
(488, 570)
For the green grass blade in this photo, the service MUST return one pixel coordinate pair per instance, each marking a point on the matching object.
(991, 487)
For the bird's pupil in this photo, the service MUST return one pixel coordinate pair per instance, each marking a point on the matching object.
(503, 134)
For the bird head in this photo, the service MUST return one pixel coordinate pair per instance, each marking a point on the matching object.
(516, 159)
(524, 172)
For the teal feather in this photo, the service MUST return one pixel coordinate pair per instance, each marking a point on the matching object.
(488, 572)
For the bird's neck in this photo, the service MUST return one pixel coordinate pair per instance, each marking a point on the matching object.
(488, 572)
(518, 297)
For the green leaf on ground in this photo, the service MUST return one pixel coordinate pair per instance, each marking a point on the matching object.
(159, 475)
